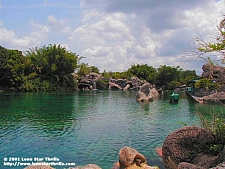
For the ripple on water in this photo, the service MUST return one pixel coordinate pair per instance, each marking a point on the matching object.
(92, 128)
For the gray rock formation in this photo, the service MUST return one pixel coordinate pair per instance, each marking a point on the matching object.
(147, 93)
(124, 84)
(89, 81)
(214, 72)
(96, 81)
(215, 97)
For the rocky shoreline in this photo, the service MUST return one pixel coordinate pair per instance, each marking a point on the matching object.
(94, 81)
(185, 148)
(212, 98)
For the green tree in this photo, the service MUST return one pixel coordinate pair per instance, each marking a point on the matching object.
(207, 84)
(13, 66)
(168, 74)
(83, 69)
(94, 69)
(143, 71)
(53, 66)
(5, 74)
(187, 75)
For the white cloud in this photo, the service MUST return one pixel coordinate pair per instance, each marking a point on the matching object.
(39, 32)
(57, 24)
(113, 35)
(8, 38)
(38, 36)
(66, 29)
(105, 41)
(117, 34)
(116, 41)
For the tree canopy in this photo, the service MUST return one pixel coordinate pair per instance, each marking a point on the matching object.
(215, 46)
(41, 69)
(144, 72)
(51, 68)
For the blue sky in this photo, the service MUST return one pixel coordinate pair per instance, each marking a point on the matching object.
(115, 34)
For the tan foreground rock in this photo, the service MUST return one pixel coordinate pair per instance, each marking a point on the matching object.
(88, 166)
(39, 167)
(130, 158)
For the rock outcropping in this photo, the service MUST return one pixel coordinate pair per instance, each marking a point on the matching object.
(97, 81)
(190, 148)
(214, 72)
(147, 93)
(89, 81)
(215, 97)
(123, 84)
(129, 158)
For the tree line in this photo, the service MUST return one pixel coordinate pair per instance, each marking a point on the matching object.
(47, 68)
(53, 68)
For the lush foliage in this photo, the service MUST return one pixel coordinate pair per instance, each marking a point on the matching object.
(144, 72)
(207, 84)
(52, 67)
(49, 68)
(117, 75)
(41, 69)
(84, 69)
(13, 67)
(216, 125)
(168, 76)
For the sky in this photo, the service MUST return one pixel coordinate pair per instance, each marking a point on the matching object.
(113, 35)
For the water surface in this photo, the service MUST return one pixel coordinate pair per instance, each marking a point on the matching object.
(87, 127)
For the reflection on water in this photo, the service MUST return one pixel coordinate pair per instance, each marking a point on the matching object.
(88, 127)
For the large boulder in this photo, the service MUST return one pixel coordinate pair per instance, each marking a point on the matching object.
(191, 145)
(115, 86)
(89, 81)
(123, 84)
(215, 97)
(130, 158)
(146, 93)
(214, 72)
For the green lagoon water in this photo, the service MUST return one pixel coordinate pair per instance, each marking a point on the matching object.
(88, 126)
